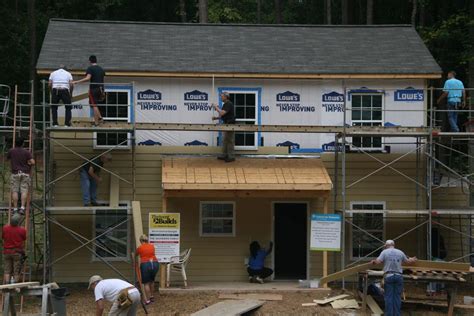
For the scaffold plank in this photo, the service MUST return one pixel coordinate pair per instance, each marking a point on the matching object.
(349, 131)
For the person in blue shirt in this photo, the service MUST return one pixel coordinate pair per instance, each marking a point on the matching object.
(256, 269)
(454, 91)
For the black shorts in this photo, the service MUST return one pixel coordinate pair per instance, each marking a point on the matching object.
(60, 95)
(96, 96)
(148, 271)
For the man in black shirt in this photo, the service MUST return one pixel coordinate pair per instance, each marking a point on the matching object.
(90, 178)
(95, 75)
(227, 115)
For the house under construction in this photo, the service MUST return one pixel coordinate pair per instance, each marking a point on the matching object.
(330, 119)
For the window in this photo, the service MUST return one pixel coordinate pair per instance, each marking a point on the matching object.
(217, 219)
(367, 111)
(115, 244)
(245, 105)
(372, 221)
(116, 108)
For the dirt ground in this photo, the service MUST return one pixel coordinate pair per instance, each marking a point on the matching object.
(81, 302)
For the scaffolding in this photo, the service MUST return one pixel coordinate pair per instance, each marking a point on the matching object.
(429, 140)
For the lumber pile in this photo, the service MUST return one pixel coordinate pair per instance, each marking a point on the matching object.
(446, 270)
(337, 302)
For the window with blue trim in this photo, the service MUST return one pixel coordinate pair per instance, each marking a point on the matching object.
(367, 111)
(245, 105)
(116, 108)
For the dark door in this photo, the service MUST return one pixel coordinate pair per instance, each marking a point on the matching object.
(290, 240)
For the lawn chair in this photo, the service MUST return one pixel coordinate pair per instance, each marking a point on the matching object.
(4, 102)
(178, 264)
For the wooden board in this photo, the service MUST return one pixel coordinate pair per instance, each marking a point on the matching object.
(340, 304)
(346, 272)
(137, 221)
(438, 266)
(330, 299)
(374, 307)
(18, 285)
(229, 308)
(253, 296)
(309, 304)
(114, 191)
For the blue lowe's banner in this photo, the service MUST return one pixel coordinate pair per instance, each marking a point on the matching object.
(149, 94)
(333, 97)
(409, 95)
(196, 95)
(288, 96)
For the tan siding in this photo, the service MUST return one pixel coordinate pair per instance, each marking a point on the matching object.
(223, 258)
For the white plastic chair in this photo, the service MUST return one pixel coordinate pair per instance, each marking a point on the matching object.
(178, 264)
(4, 101)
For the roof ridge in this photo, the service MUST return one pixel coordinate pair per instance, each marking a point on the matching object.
(238, 24)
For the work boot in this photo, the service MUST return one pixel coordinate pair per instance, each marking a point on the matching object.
(229, 159)
(259, 280)
(222, 157)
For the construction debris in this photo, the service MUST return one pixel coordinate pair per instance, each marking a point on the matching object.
(374, 307)
(340, 304)
(229, 308)
(330, 299)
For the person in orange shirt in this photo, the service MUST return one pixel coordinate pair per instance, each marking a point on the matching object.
(148, 267)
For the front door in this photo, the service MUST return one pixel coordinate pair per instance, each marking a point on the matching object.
(290, 229)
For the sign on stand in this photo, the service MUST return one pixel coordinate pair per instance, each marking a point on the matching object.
(164, 234)
(325, 232)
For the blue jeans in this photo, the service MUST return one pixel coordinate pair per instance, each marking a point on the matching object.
(453, 116)
(393, 295)
(88, 187)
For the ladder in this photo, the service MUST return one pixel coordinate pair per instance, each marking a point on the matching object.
(23, 125)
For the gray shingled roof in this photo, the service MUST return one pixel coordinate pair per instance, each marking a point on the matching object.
(215, 48)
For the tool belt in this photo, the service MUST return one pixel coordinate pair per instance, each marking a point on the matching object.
(123, 299)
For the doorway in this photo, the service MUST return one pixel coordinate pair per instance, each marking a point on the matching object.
(291, 240)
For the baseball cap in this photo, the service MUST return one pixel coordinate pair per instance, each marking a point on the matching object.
(94, 279)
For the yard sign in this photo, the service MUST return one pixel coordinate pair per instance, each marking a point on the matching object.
(326, 232)
(164, 234)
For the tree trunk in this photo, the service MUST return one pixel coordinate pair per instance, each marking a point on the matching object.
(278, 17)
(202, 11)
(413, 12)
(259, 11)
(370, 11)
(328, 12)
(422, 14)
(344, 11)
(32, 31)
(182, 10)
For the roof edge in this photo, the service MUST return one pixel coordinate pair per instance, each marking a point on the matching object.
(42, 71)
(236, 24)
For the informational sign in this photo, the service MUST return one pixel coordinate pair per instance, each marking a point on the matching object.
(164, 234)
(325, 232)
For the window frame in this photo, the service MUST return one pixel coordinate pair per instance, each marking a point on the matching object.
(94, 258)
(129, 119)
(257, 92)
(362, 121)
(352, 228)
(201, 218)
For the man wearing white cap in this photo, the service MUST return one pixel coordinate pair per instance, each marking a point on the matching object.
(124, 296)
(392, 260)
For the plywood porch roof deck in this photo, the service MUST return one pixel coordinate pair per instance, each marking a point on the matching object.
(245, 174)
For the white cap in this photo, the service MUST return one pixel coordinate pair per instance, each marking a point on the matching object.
(389, 243)
(93, 279)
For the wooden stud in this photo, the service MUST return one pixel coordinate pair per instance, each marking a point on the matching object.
(325, 253)
(114, 191)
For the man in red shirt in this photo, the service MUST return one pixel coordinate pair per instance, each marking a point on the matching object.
(21, 162)
(14, 237)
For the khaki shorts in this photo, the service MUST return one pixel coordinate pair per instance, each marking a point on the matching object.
(20, 182)
(11, 263)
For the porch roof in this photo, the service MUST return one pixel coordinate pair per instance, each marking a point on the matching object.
(245, 174)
